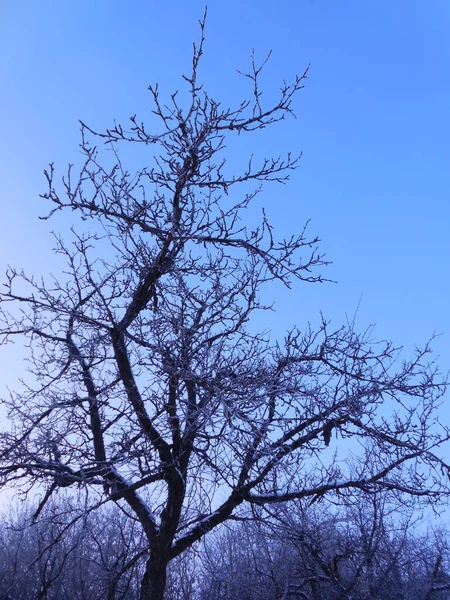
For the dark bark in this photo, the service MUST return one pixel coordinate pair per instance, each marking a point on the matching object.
(155, 577)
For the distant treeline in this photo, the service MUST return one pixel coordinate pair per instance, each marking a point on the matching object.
(366, 548)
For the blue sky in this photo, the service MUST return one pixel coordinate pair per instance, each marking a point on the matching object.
(373, 124)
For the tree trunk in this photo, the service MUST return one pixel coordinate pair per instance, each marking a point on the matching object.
(154, 581)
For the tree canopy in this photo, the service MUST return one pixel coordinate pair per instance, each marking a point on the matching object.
(150, 389)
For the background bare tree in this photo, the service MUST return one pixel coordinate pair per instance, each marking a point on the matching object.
(365, 548)
(149, 386)
(67, 555)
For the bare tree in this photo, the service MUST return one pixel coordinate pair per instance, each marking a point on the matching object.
(150, 388)
(365, 548)
(66, 555)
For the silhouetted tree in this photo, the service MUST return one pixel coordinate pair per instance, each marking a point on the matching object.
(148, 386)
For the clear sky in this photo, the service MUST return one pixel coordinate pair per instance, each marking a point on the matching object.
(373, 124)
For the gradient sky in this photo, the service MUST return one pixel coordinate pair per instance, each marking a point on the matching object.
(373, 124)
